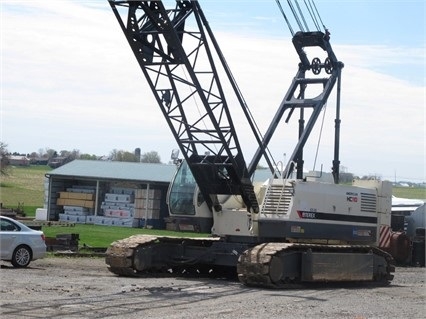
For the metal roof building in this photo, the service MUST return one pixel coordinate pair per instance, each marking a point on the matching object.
(105, 170)
(106, 192)
(101, 179)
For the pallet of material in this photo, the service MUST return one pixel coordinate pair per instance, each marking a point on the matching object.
(76, 210)
(147, 203)
(122, 213)
(119, 198)
(125, 222)
(75, 202)
(152, 193)
(90, 219)
(117, 205)
(122, 190)
(112, 221)
(147, 213)
(72, 195)
(72, 218)
(102, 220)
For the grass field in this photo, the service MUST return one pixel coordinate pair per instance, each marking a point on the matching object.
(102, 236)
(409, 192)
(25, 186)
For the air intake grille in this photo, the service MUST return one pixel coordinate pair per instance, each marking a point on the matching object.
(277, 199)
(368, 202)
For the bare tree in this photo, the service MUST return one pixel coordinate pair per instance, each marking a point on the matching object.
(346, 178)
(123, 156)
(50, 153)
(150, 157)
(41, 152)
(4, 158)
(71, 155)
(64, 153)
(33, 155)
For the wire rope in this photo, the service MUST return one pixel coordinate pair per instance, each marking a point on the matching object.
(302, 16)
(296, 17)
(318, 15)
(319, 137)
(299, 16)
(245, 105)
(285, 17)
(312, 14)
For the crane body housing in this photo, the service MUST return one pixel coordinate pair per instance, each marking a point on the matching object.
(286, 230)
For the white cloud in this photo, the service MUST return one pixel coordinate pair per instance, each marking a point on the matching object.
(70, 81)
(382, 130)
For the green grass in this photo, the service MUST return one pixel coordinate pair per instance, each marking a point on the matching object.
(409, 192)
(24, 186)
(103, 236)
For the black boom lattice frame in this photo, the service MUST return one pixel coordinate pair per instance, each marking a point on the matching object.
(183, 77)
(181, 60)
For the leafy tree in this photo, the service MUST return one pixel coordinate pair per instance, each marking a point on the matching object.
(88, 157)
(4, 159)
(123, 156)
(150, 157)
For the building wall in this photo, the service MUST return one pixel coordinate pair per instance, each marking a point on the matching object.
(19, 161)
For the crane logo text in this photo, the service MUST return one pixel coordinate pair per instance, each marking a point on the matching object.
(307, 215)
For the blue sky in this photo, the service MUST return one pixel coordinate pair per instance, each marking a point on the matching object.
(69, 79)
(398, 25)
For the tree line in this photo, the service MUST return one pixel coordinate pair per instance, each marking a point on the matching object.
(54, 158)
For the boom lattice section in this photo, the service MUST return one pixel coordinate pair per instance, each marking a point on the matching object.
(183, 76)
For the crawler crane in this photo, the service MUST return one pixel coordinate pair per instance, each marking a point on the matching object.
(287, 230)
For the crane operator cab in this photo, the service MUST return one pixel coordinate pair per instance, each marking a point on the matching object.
(187, 208)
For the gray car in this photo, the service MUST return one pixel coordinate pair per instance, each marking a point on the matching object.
(20, 244)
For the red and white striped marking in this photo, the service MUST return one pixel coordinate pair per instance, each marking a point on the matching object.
(385, 236)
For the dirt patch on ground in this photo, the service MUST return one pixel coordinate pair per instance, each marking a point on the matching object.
(84, 288)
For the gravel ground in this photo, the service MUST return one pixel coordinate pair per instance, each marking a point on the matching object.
(84, 288)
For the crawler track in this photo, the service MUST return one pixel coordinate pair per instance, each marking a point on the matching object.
(268, 265)
(120, 255)
(261, 266)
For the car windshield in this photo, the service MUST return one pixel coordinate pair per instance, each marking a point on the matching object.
(6, 225)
